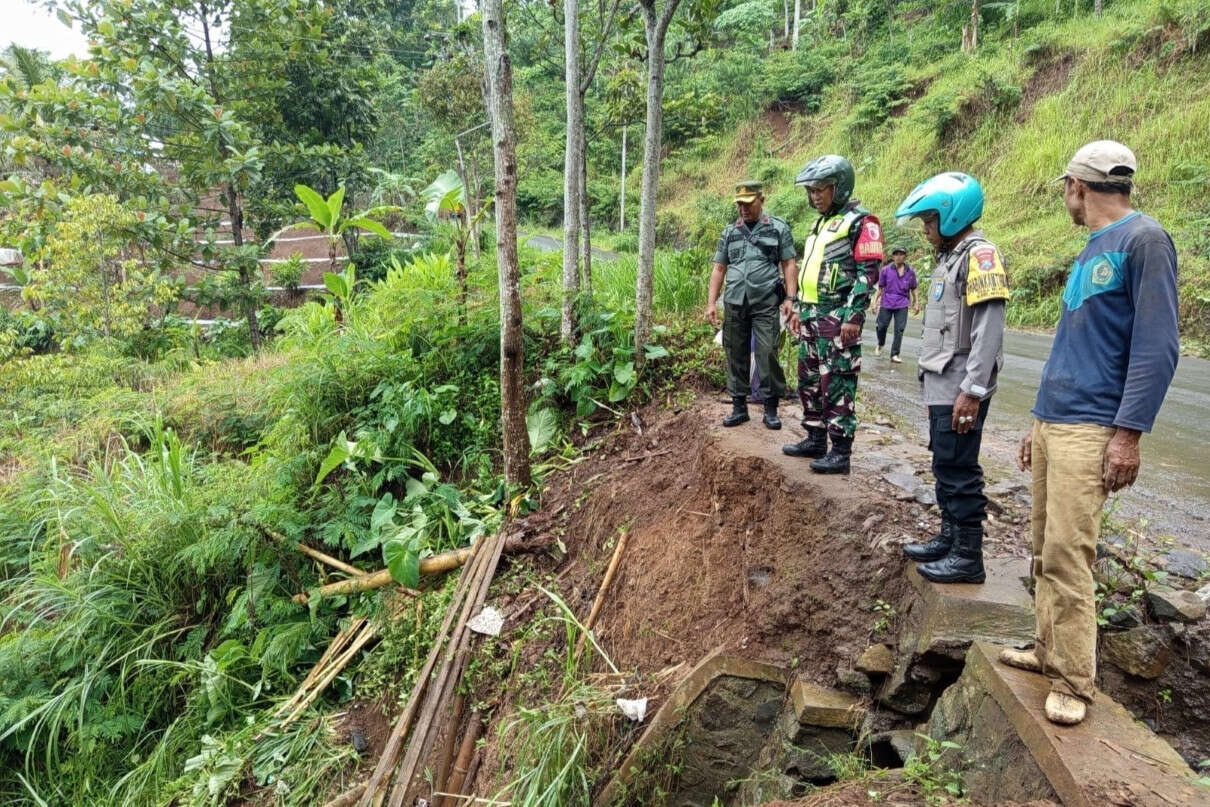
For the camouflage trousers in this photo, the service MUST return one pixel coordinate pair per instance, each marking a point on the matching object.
(827, 375)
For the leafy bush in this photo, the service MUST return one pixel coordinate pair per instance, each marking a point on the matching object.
(880, 91)
(798, 77)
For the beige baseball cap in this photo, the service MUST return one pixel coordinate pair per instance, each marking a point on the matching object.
(1102, 161)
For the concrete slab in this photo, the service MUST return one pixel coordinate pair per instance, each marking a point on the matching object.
(830, 708)
(954, 615)
(681, 707)
(1108, 759)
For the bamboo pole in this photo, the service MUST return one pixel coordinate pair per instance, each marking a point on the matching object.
(387, 761)
(334, 648)
(367, 633)
(600, 600)
(434, 564)
(436, 692)
(465, 752)
(322, 557)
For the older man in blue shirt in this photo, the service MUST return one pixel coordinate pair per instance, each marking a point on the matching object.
(1114, 355)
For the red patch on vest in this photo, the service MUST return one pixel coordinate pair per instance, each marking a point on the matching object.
(869, 242)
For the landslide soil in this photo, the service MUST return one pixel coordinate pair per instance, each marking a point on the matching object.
(728, 546)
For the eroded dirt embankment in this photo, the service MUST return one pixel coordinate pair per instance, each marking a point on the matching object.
(732, 545)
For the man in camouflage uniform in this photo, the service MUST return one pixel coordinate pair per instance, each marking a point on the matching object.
(755, 258)
(841, 258)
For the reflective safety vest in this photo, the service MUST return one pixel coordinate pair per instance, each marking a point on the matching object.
(828, 241)
(970, 274)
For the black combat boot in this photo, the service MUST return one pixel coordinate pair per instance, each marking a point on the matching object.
(739, 411)
(814, 445)
(964, 563)
(837, 460)
(772, 421)
(934, 549)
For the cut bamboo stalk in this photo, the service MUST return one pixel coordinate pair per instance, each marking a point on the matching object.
(335, 647)
(347, 798)
(368, 632)
(434, 564)
(614, 562)
(465, 752)
(407, 768)
(322, 557)
(375, 789)
(445, 761)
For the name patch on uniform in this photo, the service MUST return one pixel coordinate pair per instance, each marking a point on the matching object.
(938, 289)
(985, 277)
(869, 241)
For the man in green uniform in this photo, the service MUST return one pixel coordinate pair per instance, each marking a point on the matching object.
(841, 258)
(755, 258)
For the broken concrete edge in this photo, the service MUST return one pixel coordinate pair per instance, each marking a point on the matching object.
(815, 705)
(1045, 740)
(671, 712)
(1004, 614)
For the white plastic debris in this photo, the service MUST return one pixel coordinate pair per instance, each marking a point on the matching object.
(489, 621)
(635, 709)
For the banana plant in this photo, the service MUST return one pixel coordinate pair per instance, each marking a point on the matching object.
(327, 219)
(446, 201)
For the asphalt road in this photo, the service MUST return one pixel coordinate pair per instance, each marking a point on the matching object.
(1173, 488)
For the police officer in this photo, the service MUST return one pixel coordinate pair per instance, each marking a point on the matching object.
(756, 258)
(961, 354)
(841, 258)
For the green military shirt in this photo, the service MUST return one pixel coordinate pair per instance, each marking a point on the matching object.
(753, 258)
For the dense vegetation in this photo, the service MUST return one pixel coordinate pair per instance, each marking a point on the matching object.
(155, 474)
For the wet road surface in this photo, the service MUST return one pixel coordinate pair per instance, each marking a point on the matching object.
(1173, 488)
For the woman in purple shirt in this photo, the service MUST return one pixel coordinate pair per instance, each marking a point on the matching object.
(896, 293)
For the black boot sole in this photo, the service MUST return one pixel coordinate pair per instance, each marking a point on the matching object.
(811, 455)
(959, 578)
(772, 425)
(729, 421)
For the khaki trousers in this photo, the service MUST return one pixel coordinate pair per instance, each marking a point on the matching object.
(1068, 494)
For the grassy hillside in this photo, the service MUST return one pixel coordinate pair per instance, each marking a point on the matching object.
(1011, 114)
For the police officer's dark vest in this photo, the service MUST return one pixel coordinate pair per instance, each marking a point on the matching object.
(828, 254)
(948, 315)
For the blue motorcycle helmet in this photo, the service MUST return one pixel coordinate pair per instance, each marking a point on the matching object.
(956, 198)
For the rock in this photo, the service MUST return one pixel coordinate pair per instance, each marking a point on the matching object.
(1005, 487)
(905, 692)
(814, 705)
(926, 495)
(1184, 563)
(905, 481)
(1203, 594)
(1176, 606)
(1141, 651)
(876, 660)
(1126, 617)
(853, 681)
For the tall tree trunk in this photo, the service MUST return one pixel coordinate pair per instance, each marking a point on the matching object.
(655, 30)
(572, 157)
(797, 23)
(236, 212)
(785, 13)
(1097, 7)
(622, 190)
(970, 31)
(499, 75)
(585, 224)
